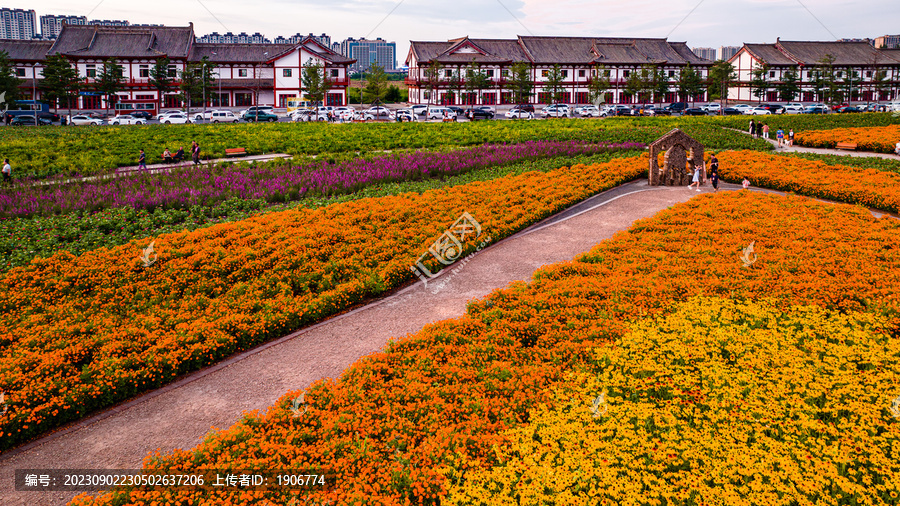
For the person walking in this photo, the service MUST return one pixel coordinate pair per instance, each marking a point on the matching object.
(765, 130)
(780, 135)
(195, 153)
(142, 160)
(752, 127)
(696, 180)
(746, 183)
(791, 138)
(714, 171)
(7, 171)
(759, 129)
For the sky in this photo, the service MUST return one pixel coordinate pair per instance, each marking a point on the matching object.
(700, 23)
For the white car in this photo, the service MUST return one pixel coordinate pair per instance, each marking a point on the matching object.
(744, 108)
(345, 113)
(405, 115)
(793, 109)
(224, 117)
(555, 110)
(127, 119)
(309, 115)
(81, 119)
(440, 113)
(519, 114)
(588, 111)
(758, 111)
(200, 116)
(713, 108)
(486, 108)
(261, 108)
(175, 119)
(163, 114)
(419, 109)
(379, 112)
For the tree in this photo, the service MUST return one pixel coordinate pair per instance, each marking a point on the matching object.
(315, 83)
(393, 94)
(598, 85)
(376, 85)
(476, 80)
(109, 81)
(659, 85)
(849, 85)
(789, 87)
(824, 81)
(160, 78)
(634, 84)
(455, 84)
(553, 85)
(60, 80)
(9, 82)
(521, 83)
(721, 74)
(432, 82)
(880, 83)
(759, 82)
(195, 79)
(690, 84)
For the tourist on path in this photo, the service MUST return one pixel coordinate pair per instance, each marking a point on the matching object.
(791, 138)
(142, 160)
(759, 130)
(752, 127)
(714, 171)
(696, 180)
(195, 152)
(7, 171)
(780, 135)
(746, 183)
(765, 131)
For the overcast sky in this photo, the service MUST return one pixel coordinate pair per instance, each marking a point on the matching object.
(707, 23)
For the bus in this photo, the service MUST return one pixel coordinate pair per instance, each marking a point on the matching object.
(27, 108)
(128, 106)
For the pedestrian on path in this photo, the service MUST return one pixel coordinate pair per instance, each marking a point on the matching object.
(142, 160)
(746, 183)
(759, 129)
(765, 131)
(714, 171)
(696, 180)
(752, 127)
(7, 171)
(195, 152)
(780, 136)
(791, 138)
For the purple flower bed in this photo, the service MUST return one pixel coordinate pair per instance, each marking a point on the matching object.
(208, 185)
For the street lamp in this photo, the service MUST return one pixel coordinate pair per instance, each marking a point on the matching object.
(219, 78)
(34, 92)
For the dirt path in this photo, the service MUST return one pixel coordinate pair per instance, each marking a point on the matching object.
(179, 415)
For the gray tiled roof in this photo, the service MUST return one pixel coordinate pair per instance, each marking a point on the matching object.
(85, 41)
(768, 53)
(258, 53)
(25, 50)
(844, 53)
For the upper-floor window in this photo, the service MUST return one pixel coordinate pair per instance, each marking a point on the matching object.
(335, 73)
(20, 72)
(144, 71)
(172, 70)
(580, 73)
(544, 73)
(242, 72)
(286, 72)
(489, 73)
(448, 73)
(565, 73)
(626, 73)
(671, 73)
(505, 73)
(90, 70)
(772, 74)
(868, 73)
(840, 75)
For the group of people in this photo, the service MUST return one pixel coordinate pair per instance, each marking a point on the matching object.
(713, 175)
(168, 157)
(761, 130)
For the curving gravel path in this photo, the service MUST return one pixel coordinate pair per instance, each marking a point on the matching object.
(180, 414)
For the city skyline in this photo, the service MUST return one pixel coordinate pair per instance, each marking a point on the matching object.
(703, 24)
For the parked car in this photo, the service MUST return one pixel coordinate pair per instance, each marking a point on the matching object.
(695, 111)
(177, 119)
(163, 114)
(588, 111)
(486, 108)
(268, 109)
(419, 109)
(713, 108)
(744, 108)
(731, 111)
(402, 115)
(84, 119)
(555, 111)
(793, 109)
(519, 114)
(205, 115)
(525, 107)
(677, 107)
(379, 112)
(759, 111)
(317, 114)
(144, 115)
(260, 116)
(460, 111)
(621, 110)
(29, 121)
(849, 109)
(127, 119)
(440, 113)
(51, 116)
(476, 114)
(773, 108)
(815, 110)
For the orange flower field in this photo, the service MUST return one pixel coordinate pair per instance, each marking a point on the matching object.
(854, 185)
(81, 333)
(669, 329)
(881, 139)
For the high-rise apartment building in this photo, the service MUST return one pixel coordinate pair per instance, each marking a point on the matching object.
(18, 24)
(367, 51)
(707, 53)
(887, 42)
(726, 52)
(52, 24)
